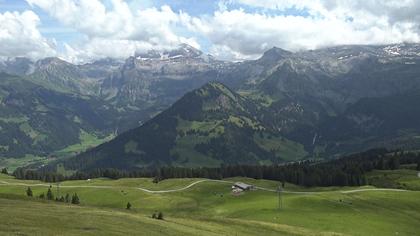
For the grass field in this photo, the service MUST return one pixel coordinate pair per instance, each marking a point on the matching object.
(403, 178)
(207, 208)
(86, 141)
(12, 163)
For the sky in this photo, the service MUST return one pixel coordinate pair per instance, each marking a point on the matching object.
(81, 31)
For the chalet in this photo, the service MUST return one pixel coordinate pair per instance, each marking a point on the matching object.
(242, 186)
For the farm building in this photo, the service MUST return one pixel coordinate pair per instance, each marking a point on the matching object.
(242, 186)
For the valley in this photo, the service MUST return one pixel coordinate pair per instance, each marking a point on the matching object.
(227, 117)
(283, 107)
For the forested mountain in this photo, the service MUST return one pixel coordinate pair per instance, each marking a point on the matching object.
(283, 106)
(123, 93)
(206, 127)
(306, 94)
(36, 120)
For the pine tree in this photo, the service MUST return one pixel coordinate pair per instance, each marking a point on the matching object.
(29, 192)
(160, 216)
(4, 171)
(50, 195)
(75, 199)
(128, 206)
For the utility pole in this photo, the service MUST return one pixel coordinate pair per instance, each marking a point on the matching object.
(58, 189)
(280, 197)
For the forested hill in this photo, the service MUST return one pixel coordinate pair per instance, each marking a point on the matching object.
(207, 127)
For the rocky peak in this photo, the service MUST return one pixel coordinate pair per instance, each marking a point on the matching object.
(275, 54)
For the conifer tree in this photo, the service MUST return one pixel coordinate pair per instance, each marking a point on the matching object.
(128, 206)
(50, 195)
(29, 192)
(75, 199)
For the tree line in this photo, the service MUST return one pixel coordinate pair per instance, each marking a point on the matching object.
(346, 171)
(74, 199)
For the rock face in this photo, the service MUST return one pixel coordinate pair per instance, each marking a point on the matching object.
(145, 78)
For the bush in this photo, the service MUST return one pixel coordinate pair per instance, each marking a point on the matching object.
(160, 216)
(4, 171)
(128, 206)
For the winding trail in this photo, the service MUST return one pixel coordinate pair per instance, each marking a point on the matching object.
(375, 189)
(193, 184)
(186, 187)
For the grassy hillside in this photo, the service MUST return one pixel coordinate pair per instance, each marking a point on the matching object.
(208, 208)
(37, 218)
(403, 178)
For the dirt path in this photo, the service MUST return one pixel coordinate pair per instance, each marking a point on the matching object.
(374, 189)
(184, 188)
(190, 186)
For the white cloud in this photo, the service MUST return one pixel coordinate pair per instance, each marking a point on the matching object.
(89, 16)
(116, 31)
(20, 37)
(121, 28)
(325, 23)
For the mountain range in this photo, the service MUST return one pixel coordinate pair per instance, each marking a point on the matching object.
(185, 108)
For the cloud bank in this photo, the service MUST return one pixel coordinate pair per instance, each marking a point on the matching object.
(20, 37)
(236, 30)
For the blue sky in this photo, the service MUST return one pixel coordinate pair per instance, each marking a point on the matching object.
(85, 30)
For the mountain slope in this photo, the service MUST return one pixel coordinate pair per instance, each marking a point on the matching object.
(391, 121)
(35, 120)
(206, 127)
(316, 103)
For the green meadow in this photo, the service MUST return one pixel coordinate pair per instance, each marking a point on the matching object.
(206, 208)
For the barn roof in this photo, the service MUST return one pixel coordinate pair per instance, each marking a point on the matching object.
(242, 185)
